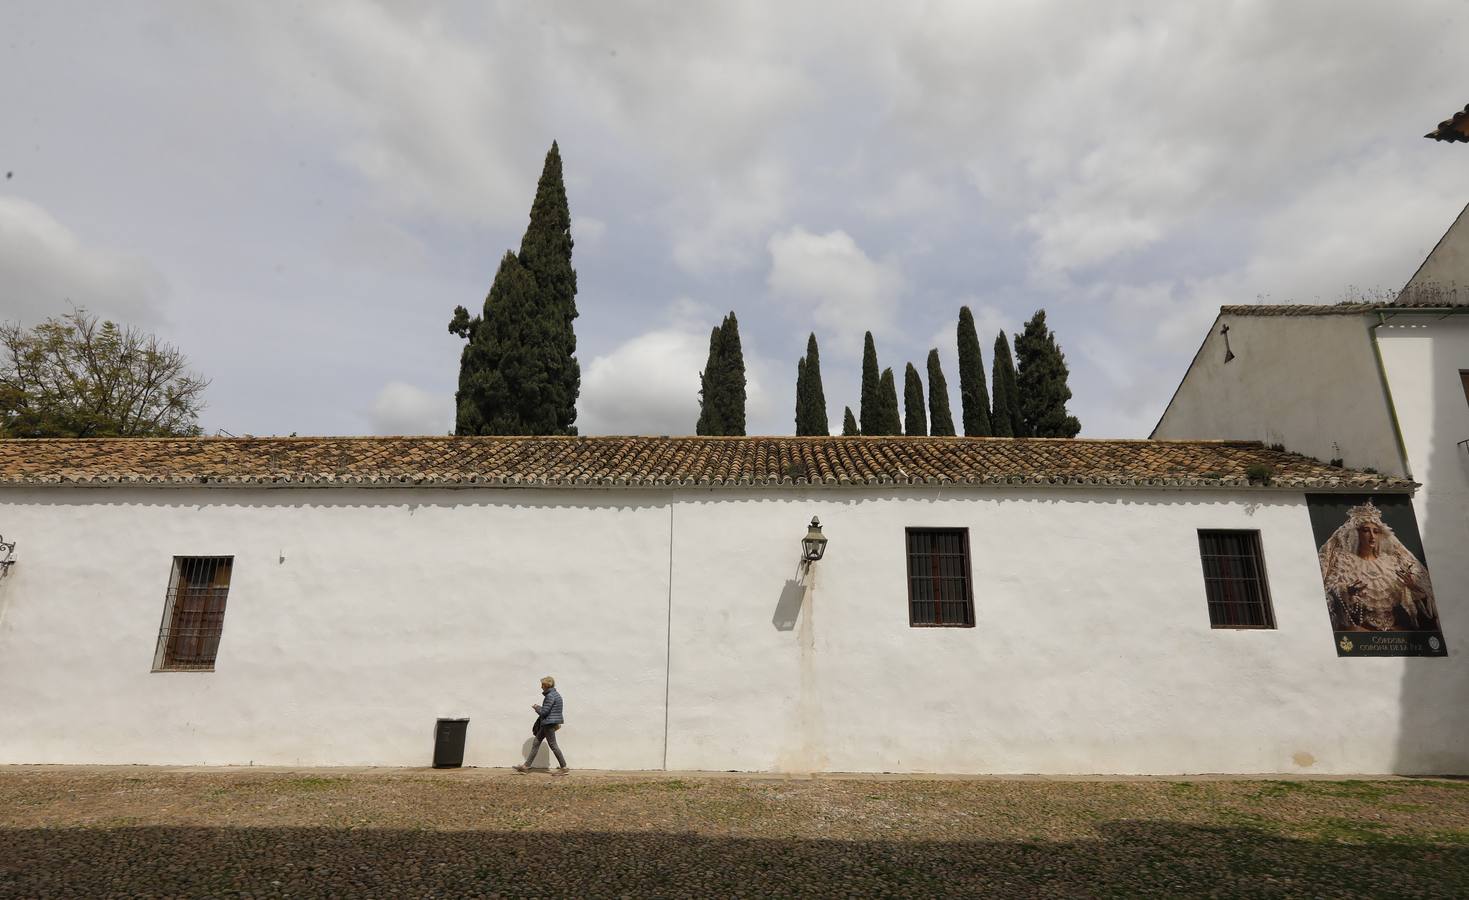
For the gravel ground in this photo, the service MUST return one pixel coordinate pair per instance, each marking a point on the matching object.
(142, 832)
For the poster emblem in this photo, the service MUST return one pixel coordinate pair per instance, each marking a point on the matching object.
(1379, 595)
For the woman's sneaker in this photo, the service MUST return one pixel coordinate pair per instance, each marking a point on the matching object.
(562, 771)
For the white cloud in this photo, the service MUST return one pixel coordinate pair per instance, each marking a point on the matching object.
(46, 268)
(650, 384)
(847, 291)
(401, 408)
(717, 225)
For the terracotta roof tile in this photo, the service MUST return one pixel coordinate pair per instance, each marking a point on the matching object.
(653, 461)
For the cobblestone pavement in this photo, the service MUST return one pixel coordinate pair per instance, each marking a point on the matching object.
(144, 832)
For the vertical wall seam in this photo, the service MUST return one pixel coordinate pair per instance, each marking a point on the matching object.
(668, 639)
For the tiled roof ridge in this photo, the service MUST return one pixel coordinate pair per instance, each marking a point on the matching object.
(613, 461)
(307, 438)
(1346, 308)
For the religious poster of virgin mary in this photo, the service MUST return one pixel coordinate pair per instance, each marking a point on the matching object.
(1378, 592)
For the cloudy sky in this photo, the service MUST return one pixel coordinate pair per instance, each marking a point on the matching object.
(298, 194)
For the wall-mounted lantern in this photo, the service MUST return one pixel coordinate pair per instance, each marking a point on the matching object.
(7, 553)
(813, 545)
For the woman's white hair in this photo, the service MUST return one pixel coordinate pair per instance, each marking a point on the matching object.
(548, 681)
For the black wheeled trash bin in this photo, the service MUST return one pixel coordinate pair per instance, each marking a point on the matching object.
(449, 743)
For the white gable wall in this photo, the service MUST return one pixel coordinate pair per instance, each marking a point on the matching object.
(1093, 651)
(1308, 382)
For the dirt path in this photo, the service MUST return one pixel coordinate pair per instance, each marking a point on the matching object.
(149, 832)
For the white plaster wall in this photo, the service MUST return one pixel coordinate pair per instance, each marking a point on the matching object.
(1423, 355)
(354, 618)
(1308, 382)
(1093, 651)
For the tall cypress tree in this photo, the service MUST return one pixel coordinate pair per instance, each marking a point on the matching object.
(869, 405)
(503, 386)
(1041, 379)
(801, 396)
(941, 420)
(915, 422)
(1005, 417)
(709, 388)
(544, 308)
(974, 399)
(546, 251)
(722, 391)
(890, 419)
(815, 402)
(849, 423)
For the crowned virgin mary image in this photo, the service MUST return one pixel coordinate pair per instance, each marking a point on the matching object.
(1373, 582)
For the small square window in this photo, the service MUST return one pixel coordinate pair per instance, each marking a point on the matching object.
(193, 614)
(939, 591)
(1234, 579)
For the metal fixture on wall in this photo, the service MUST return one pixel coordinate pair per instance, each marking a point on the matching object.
(7, 552)
(813, 545)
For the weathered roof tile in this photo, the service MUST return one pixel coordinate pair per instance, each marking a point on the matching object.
(662, 461)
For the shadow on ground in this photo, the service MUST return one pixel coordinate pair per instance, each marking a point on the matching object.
(1127, 859)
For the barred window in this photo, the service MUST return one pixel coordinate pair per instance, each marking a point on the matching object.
(193, 614)
(939, 591)
(1234, 579)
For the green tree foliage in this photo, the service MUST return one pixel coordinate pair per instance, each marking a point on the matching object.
(76, 376)
(849, 423)
(810, 396)
(543, 310)
(722, 385)
(1041, 379)
(974, 398)
(891, 420)
(1005, 414)
(915, 421)
(941, 420)
(869, 404)
(505, 384)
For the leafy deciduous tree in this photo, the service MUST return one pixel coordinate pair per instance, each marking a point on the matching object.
(76, 376)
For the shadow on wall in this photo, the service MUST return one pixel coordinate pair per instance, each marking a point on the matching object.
(1434, 724)
(1126, 858)
(788, 607)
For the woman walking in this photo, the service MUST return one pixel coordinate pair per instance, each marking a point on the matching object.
(549, 719)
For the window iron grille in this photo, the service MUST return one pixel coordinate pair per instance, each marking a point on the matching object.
(940, 592)
(193, 614)
(1235, 585)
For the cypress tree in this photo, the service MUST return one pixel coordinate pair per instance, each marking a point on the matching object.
(801, 396)
(503, 383)
(915, 422)
(532, 300)
(869, 405)
(890, 421)
(722, 385)
(709, 388)
(1005, 417)
(815, 395)
(941, 421)
(1041, 379)
(849, 423)
(974, 399)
